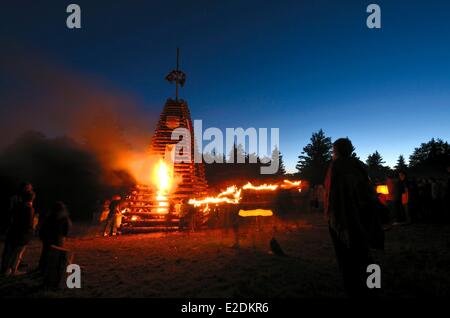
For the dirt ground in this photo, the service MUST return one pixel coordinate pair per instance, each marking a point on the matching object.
(416, 262)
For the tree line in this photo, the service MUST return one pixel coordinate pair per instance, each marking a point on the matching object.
(428, 159)
(431, 158)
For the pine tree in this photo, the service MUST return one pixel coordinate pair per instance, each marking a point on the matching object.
(401, 164)
(277, 156)
(236, 154)
(313, 162)
(375, 164)
(432, 155)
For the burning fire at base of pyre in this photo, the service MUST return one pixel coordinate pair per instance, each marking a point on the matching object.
(157, 208)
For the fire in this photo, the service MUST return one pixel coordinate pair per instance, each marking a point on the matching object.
(163, 180)
(287, 184)
(231, 195)
(163, 177)
(229, 191)
(263, 187)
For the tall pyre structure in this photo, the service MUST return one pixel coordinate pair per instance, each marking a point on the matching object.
(148, 210)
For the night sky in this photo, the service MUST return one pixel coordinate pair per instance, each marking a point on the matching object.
(297, 65)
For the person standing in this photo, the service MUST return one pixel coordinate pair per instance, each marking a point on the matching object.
(404, 186)
(394, 199)
(114, 217)
(19, 233)
(13, 202)
(182, 215)
(53, 231)
(351, 209)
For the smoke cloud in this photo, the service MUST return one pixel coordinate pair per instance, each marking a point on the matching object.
(64, 130)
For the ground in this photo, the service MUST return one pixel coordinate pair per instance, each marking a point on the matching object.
(416, 262)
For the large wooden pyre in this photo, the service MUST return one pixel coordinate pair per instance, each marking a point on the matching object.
(189, 177)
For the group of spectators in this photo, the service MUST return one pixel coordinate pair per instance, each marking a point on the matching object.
(23, 223)
(413, 200)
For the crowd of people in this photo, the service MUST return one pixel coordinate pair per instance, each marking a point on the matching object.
(356, 213)
(23, 223)
(412, 200)
(408, 199)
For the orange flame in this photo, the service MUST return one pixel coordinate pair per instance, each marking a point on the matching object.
(287, 184)
(163, 180)
(263, 187)
(231, 195)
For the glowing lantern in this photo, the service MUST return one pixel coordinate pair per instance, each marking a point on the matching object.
(382, 189)
(256, 212)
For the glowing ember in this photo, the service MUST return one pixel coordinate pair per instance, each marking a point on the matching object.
(256, 212)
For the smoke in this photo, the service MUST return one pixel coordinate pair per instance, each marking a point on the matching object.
(78, 123)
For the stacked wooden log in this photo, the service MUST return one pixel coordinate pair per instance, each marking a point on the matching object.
(191, 175)
(190, 181)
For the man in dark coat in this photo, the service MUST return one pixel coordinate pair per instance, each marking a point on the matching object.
(53, 231)
(351, 209)
(19, 233)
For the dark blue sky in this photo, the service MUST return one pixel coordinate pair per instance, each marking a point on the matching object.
(297, 65)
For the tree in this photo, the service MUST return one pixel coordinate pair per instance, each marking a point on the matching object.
(313, 162)
(431, 156)
(277, 156)
(375, 165)
(401, 164)
(237, 154)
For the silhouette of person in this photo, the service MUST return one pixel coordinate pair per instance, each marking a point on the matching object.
(351, 207)
(19, 233)
(114, 217)
(53, 231)
(14, 201)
